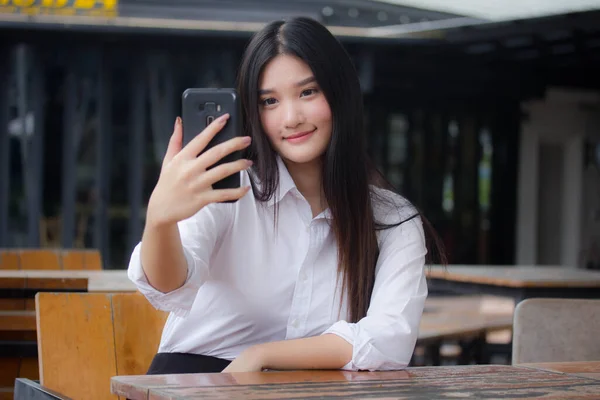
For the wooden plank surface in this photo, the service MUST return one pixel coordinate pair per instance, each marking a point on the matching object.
(92, 260)
(588, 369)
(64, 283)
(96, 281)
(12, 304)
(50, 259)
(40, 259)
(99, 334)
(81, 259)
(137, 329)
(454, 317)
(489, 381)
(9, 259)
(17, 320)
(67, 323)
(72, 260)
(8, 280)
(434, 328)
(518, 276)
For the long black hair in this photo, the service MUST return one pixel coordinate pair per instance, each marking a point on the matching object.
(347, 172)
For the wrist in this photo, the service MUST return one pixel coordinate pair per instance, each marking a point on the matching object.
(157, 220)
(154, 223)
(260, 354)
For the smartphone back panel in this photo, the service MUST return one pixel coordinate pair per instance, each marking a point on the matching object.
(200, 107)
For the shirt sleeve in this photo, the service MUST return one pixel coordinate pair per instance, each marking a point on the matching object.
(199, 236)
(385, 338)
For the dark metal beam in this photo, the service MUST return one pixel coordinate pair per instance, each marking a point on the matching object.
(103, 155)
(137, 150)
(38, 108)
(69, 156)
(4, 146)
(30, 105)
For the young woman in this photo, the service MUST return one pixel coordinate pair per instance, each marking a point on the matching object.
(318, 267)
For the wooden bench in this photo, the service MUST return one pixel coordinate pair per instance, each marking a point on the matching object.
(17, 305)
(84, 339)
(51, 259)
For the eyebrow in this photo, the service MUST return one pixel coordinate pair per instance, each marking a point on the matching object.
(303, 82)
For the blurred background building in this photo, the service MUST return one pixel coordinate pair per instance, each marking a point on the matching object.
(486, 116)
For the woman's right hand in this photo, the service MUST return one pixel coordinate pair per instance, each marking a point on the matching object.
(185, 183)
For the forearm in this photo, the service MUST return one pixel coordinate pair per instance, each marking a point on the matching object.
(319, 352)
(162, 257)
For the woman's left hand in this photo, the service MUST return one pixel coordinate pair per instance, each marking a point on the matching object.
(250, 360)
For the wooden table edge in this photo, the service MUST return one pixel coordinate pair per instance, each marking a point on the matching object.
(116, 379)
(165, 392)
(508, 282)
(566, 366)
(472, 333)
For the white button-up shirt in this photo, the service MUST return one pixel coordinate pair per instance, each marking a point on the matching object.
(250, 282)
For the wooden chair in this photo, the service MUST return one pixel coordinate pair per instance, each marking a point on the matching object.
(556, 330)
(84, 339)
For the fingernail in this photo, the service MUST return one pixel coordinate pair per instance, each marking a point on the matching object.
(249, 163)
(223, 117)
(177, 121)
(247, 139)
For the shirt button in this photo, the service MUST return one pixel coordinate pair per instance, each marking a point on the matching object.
(295, 323)
(303, 276)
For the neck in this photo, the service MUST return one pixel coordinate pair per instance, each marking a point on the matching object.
(309, 180)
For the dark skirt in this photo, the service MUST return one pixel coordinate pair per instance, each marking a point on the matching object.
(184, 363)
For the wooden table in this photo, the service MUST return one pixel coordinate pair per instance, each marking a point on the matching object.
(519, 282)
(478, 381)
(457, 316)
(17, 293)
(465, 320)
(17, 282)
(586, 369)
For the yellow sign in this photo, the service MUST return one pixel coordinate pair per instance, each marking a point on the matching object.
(91, 8)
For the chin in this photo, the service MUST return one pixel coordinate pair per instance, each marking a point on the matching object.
(301, 156)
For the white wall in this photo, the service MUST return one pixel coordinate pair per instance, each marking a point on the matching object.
(562, 119)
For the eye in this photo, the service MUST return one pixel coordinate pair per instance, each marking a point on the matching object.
(308, 92)
(268, 102)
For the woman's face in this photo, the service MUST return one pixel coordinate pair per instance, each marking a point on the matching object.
(293, 110)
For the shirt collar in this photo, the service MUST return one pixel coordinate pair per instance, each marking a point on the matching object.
(286, 183)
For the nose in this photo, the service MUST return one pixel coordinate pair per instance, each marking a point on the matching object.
(293, 115)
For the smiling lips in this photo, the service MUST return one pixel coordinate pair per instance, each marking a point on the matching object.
(300, 136)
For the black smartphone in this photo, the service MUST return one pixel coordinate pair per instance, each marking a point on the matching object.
(201, 106)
